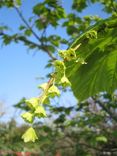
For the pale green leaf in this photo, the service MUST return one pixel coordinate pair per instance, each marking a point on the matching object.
(101, 139)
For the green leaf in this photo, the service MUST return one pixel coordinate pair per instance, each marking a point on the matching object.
(28, 32)
(114, 133)
(39, 24)
(22, 27)
(18, 2)
(100, 72)
(9, 4)
(3, 27)
(32, 103)
(38, 9)
(81, 60)
(28, 117)
(7, 39)
(101, 139)
(29, 135)
(79, 5)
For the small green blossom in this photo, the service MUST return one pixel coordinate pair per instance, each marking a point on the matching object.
(29, 135)
(91, 34)
(40, 112)
(28, 117)
(59, 66)
(33, 102)
(53, 91)
(43, 86)
(62, 54)
(68, 55)
(65, 82)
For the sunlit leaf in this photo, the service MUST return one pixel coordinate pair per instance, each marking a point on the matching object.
(100, 54)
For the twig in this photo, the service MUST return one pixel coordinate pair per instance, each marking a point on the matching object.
(107, 110)
(43, 47)
(26, 23)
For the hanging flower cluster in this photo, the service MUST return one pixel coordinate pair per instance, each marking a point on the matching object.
(49, 90)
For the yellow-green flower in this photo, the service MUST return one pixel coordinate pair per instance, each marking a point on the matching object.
(33, 102)
(65, 82)
(29, 135)
(28, 117)
(43, 86)
(53, 91)
(40, 112)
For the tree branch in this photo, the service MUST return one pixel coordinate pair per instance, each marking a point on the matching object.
(26, 23)
(107, 110)
(30, 43)
(43, 47)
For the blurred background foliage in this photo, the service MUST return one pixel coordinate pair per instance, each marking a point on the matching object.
(88, 128)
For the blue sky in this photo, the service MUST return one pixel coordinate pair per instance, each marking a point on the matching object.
(18, 67)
